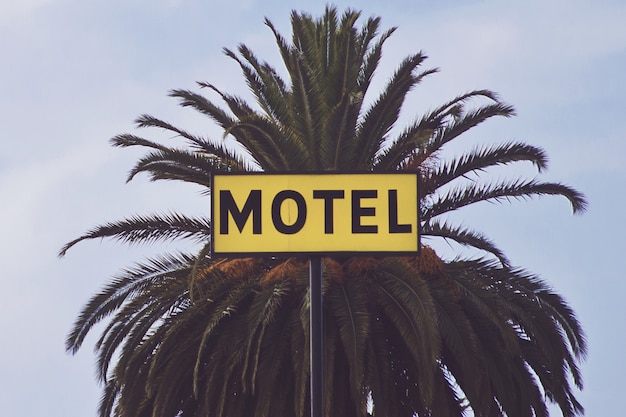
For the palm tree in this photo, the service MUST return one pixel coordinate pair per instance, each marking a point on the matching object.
(189, 335)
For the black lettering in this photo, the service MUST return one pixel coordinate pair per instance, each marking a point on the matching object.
(394, 227)
(281, 226)
(251, 206)
(328, 196)
(358, 211)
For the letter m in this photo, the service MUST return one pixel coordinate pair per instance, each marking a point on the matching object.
(251, 206)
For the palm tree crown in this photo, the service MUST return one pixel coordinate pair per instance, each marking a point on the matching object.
(404, 336)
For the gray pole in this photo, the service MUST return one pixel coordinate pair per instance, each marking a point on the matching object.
(316, 333)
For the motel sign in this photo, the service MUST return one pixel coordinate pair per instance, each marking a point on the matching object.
(260, 214)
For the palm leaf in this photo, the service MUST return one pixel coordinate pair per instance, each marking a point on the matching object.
(148, 229)
(463, 236)
(518, 189)
(348, 302)
(130, 282)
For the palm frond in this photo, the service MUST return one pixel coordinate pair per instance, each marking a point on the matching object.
(518, 189)
(267, 86)
(463, 122)
(384, 112)
(148, 229)
(201, 104)
(374, 53)
(129, 282)
(338, 146)
(463, 236)
(181, 165)
(349, 305)
(219, 155)
(409, 305)
(480, 159)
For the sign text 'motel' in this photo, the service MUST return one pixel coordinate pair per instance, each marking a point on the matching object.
(263, 214)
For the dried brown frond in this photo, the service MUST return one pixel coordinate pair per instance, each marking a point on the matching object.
(333, 270)
(360, 266)
(431, 267)
(244, 267)
(428, 262)
(285, 270)
(201, 272)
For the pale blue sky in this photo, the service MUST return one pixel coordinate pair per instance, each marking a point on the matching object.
(75, 73)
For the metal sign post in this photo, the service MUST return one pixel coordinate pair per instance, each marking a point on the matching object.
(316, 316)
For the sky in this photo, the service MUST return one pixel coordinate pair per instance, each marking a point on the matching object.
(75, 73)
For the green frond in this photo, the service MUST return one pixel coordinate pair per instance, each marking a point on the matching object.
(109, 397)
(519, 189)
(455, 107)
(145, 120)
(262, 314)
(464, 121)
(266, 85)
(201, 104)
(408, 304)
(269, 155)
(461, 355)
(463, 236)
(338, 148)
(174, 164)
(132, 330)
(426, 136)
(446, 400)
(283, 47)
(281, 150)
(479, 159)
(380, 379)
(564, 316)
(348, 302)
(309, 107)
(149, 229)
(476, 280)
(410, 143)
(373, 54)
(384, 112)
(275, 366)
(537, 331)
(223, 308)
(127, 140)
(224, 157)
(129, 282)
(309, 43)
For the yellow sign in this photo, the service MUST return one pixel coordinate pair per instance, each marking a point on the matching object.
(273, 214)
